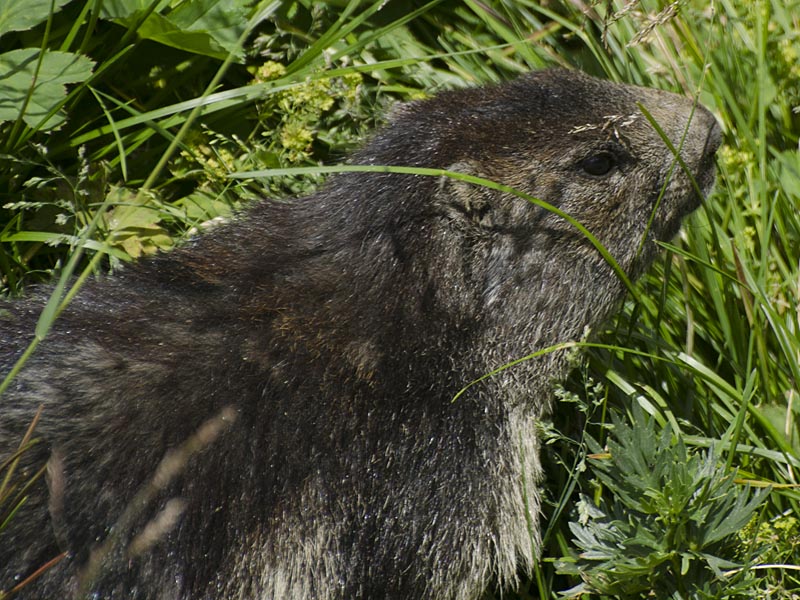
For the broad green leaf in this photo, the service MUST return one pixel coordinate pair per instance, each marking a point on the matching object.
(122, 9)
(207, 27)
(18, 73)
(223, 20)
(19, 15)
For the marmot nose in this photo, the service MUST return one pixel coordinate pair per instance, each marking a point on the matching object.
(714, 139)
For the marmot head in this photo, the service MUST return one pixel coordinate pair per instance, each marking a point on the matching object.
(578, 143)
(486, 268)
(581, 144)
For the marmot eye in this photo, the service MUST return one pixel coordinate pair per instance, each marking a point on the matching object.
(599, 164)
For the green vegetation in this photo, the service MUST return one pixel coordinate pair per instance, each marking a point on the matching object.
(670, 524)
(121, 123)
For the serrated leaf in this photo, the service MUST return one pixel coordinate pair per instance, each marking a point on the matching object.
(18, 73)
(133, 224)
(20, 15)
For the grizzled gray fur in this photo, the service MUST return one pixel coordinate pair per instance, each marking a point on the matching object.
(337, 330)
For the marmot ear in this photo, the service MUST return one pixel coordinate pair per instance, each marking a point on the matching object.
(466, 201)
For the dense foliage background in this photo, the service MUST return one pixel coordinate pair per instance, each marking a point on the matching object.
(126, 125)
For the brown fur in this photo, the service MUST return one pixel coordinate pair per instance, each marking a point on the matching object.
(338, 329)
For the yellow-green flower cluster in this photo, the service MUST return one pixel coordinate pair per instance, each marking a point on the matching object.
(301, 106)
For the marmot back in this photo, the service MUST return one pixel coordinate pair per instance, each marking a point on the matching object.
(332, 333)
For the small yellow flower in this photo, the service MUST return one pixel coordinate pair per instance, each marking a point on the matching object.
(269, 70)
(296, 136)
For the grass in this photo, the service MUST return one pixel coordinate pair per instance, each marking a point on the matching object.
(152, 129)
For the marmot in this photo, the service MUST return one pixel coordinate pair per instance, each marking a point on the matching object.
(338, 330)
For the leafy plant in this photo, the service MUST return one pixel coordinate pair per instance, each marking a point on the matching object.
(777, 541)
(665, 521)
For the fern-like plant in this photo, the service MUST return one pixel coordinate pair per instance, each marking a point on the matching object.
(666, 528)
